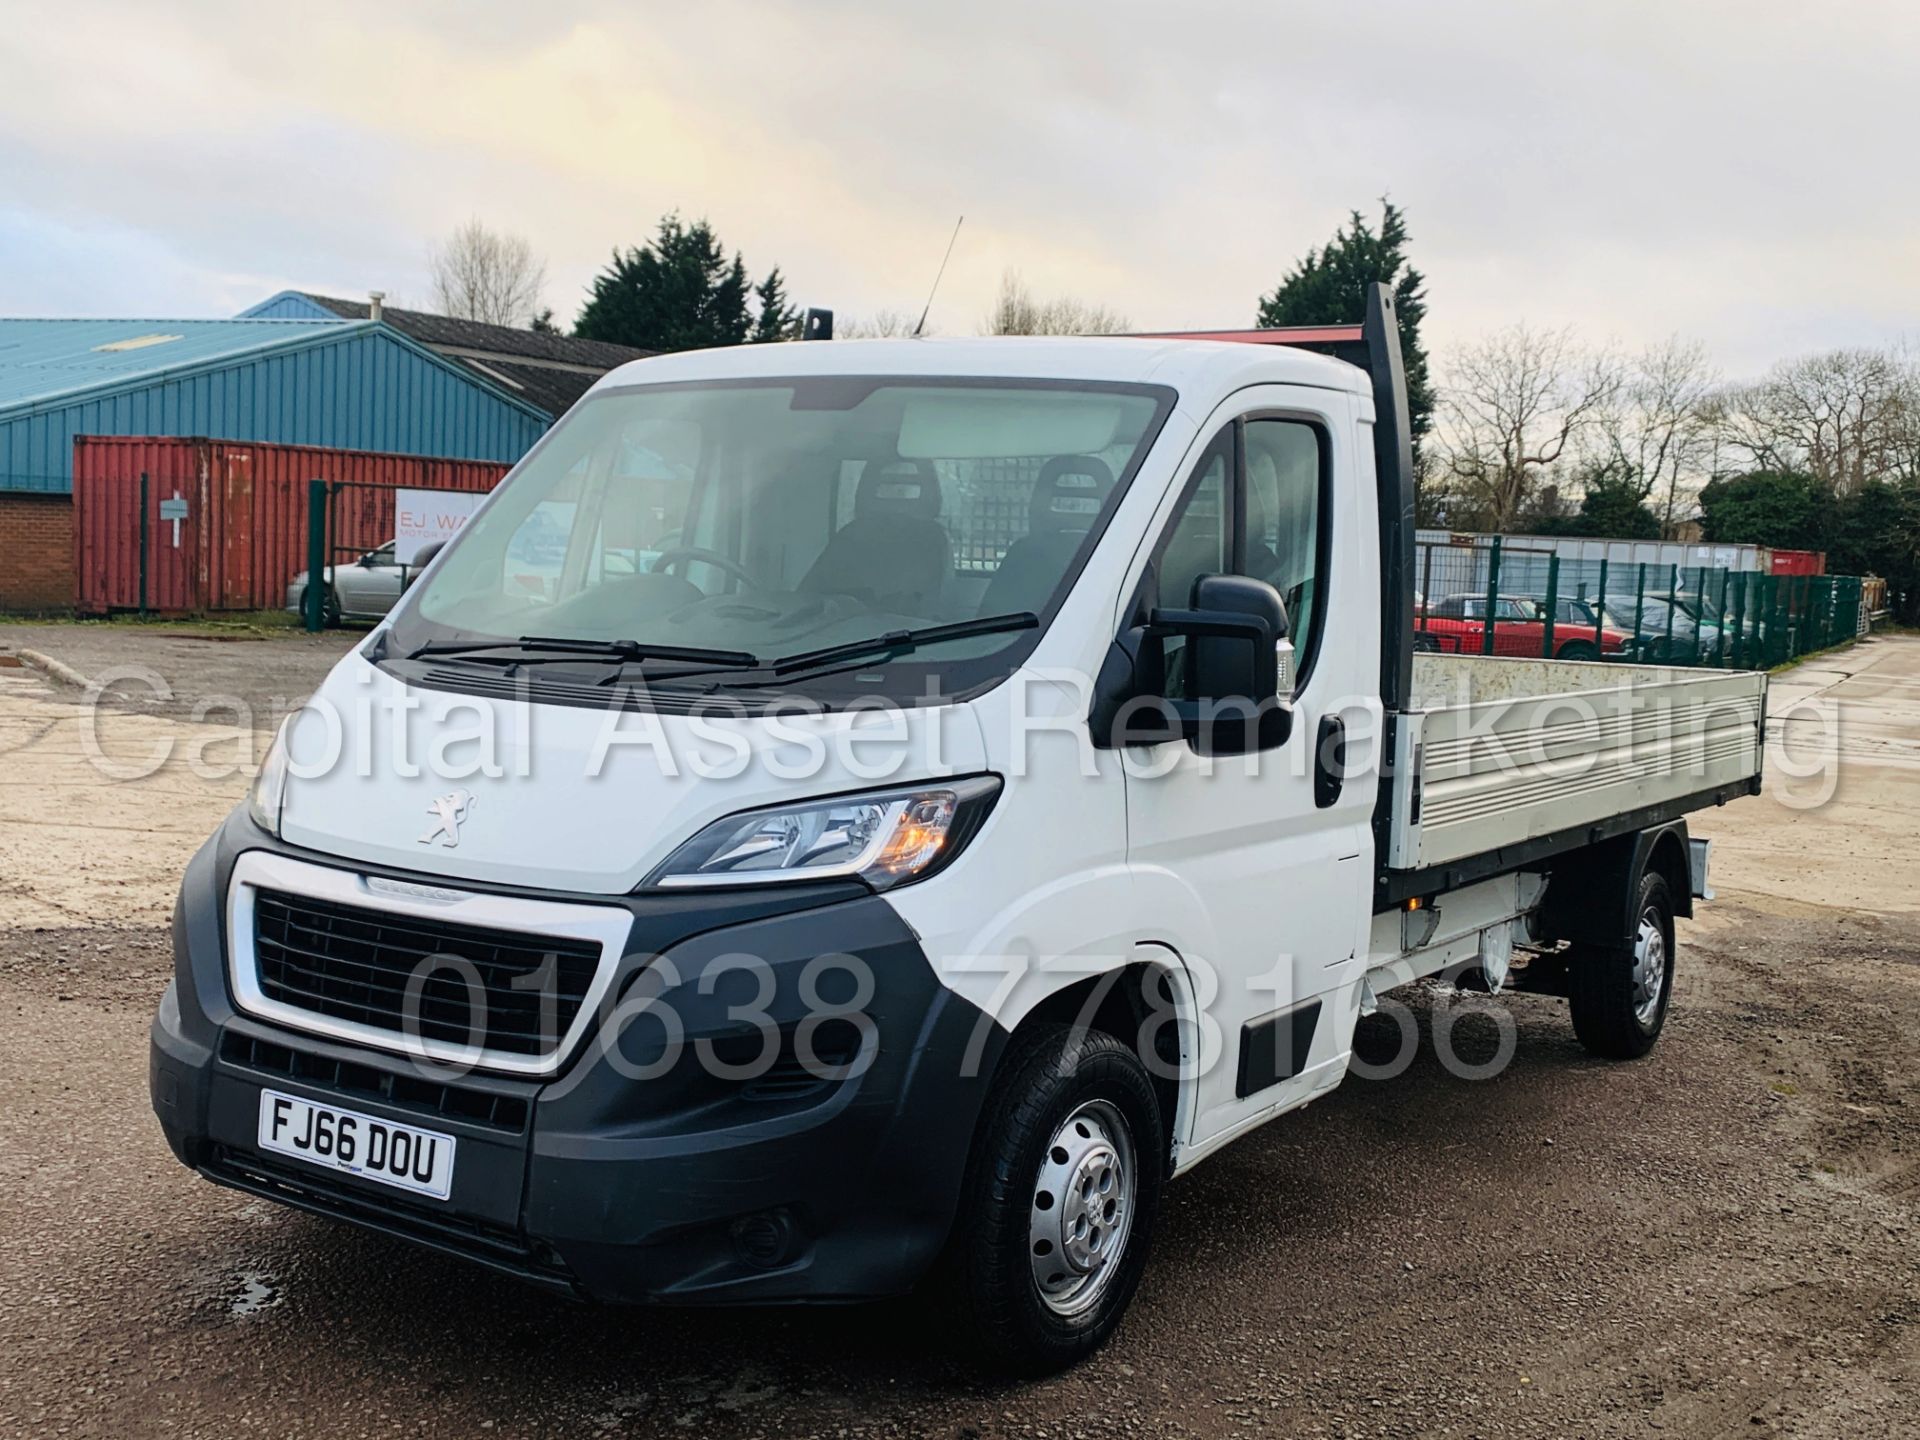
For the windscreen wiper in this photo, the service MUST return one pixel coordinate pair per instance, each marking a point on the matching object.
(899, 642)
(542, 649)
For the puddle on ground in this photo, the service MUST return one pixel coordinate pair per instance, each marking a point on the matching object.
(252, 1292)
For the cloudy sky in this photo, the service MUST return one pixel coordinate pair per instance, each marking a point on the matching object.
(1745, 173)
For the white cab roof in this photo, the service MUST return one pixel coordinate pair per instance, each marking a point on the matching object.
(1194, 368)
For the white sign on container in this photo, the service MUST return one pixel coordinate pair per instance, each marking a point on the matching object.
(427, 517)
(173, 512)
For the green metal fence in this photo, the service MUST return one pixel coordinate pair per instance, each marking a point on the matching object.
(1543, 605)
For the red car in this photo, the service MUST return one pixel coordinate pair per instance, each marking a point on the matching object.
(1458, 624)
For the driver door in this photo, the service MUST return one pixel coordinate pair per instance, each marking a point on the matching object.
(1258, 868)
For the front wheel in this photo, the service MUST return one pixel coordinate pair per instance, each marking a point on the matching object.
(1619, 994)
(1062, 1191)
(1579, 650)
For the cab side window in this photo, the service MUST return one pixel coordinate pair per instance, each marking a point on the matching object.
(1283, 522)
(1200, 541)
(1253, 507)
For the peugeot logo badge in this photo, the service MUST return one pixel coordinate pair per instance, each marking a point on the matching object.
(448, 812)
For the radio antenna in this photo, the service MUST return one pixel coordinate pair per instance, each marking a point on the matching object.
(938, 275)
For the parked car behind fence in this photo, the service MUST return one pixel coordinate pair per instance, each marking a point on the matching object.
(1457, 624)
(1653, 614)
(363, 590)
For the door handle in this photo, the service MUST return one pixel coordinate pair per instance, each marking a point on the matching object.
(1329, 760)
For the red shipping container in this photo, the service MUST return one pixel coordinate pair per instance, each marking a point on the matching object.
(1799, 562)
(244, 533)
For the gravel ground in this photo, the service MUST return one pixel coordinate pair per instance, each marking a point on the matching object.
(1717, 1240)
(216, 671)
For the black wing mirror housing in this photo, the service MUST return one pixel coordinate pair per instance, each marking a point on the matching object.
(1233, 627)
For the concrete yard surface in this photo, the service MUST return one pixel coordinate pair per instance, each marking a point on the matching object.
(1718, 1240)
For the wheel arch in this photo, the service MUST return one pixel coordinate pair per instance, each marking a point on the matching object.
(1128, 1003)
(1668, 855)
(1592, 893)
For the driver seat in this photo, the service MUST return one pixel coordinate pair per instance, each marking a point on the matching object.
(894, 553)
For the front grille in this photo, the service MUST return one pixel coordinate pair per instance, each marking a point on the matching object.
(427, 1098)
(497, 990)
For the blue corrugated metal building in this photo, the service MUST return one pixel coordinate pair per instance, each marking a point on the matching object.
(543, 368)
(353, 384)
(289, 305)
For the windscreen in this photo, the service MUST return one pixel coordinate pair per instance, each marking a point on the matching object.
(776, 518)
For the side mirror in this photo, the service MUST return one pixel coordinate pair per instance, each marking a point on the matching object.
(366, 561)
(1234, 629)
(1236, 625)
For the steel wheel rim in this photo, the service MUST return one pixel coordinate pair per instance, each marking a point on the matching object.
(1081, 1212)
(1649, 967)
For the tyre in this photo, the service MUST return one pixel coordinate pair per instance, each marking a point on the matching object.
(1061, 1193)
(1619, 994)
(1579, 650)
(329, 610)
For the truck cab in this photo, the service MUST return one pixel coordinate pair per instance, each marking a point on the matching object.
(931, 794)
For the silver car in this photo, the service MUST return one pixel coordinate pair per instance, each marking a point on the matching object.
(364, 590)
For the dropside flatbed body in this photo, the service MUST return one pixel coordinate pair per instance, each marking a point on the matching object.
(1503, 763)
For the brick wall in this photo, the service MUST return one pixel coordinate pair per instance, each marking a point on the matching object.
(36, 552)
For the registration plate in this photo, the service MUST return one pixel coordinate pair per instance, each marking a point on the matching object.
(345, 1140)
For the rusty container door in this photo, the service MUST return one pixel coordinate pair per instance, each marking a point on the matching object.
(233, 472)
(107, 539)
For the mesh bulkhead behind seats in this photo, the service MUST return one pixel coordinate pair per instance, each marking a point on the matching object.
(1067, 499)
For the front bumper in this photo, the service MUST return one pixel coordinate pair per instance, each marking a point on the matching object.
(685, 1186)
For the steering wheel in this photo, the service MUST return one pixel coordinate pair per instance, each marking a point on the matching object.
(667, 559)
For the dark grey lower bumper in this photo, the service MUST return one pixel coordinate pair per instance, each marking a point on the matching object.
(685, 1187)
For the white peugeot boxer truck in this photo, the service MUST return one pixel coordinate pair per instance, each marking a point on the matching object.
(842, 816)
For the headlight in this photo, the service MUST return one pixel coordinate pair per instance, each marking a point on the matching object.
(885, 838)
(269, 790)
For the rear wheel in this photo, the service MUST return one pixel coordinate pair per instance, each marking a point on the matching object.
(1061, 1195)
(1620, 994)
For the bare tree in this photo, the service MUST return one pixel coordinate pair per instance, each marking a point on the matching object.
(1904, 425)
(1016, 312)
(1846, 417)
(1655, 429)
(487, 275)
(883, 324)
(1512, 405)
